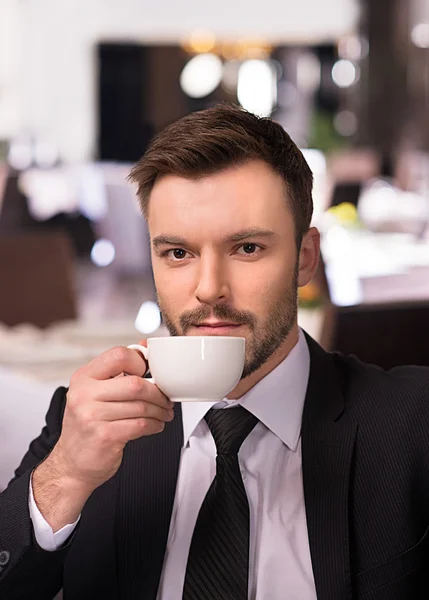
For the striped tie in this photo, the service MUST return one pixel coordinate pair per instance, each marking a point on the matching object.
(218, 563)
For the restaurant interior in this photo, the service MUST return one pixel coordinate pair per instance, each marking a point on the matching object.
(84, 86)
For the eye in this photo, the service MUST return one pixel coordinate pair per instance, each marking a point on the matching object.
(249, 248)
(175, 254)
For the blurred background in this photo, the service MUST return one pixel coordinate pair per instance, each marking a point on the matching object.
(83, 88)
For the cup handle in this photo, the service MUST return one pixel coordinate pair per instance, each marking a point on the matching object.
(145, 353)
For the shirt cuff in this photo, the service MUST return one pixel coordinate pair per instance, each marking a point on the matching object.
(45, 537)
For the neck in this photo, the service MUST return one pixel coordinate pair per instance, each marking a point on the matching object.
(275, 359)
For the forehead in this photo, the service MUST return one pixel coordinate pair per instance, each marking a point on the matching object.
(250, 195)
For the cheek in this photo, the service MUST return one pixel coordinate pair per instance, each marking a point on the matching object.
(163, 288)
(173, 287)
(260, 286)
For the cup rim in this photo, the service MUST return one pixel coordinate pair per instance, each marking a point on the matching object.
(197, 337)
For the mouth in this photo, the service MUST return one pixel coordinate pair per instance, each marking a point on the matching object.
(216, 328)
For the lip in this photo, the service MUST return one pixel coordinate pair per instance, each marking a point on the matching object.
(217, 324)
(218, 328)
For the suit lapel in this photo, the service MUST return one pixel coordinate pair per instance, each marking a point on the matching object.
(328, 440)
(146, 494)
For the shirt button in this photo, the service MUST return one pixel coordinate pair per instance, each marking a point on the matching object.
(4, 558)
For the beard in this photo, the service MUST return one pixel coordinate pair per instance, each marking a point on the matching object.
(265, 336)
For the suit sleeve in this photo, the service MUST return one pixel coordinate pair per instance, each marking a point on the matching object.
(26, 570)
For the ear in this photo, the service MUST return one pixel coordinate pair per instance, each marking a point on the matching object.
(309, 256)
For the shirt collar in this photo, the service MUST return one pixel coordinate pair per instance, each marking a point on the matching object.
(277, 400)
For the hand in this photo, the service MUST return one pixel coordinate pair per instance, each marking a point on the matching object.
(104, 411)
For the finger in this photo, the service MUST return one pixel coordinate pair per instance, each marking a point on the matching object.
(115, 361)
(134, 409)
(132, 429)
(123, 389)
(141, 343)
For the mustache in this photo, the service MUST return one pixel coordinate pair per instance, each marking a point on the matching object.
(219, 311)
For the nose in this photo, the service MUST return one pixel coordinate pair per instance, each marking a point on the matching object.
(212, 285)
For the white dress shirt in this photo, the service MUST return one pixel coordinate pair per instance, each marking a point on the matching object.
(271, 466)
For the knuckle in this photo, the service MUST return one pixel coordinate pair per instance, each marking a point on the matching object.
(81, 415)
(134, 385)
(104, 436)
(118, 355)
(143, 424)
(88, 415)
(73, 399)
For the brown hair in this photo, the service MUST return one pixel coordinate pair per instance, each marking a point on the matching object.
(206, 142)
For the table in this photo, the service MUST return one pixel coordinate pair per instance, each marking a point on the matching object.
(378, 285)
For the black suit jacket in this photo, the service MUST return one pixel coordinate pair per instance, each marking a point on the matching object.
(365, 450)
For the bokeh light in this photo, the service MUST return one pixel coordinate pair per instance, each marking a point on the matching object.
(201, 75)
(148, 318)
(257, 86)
(420, 35)
(346, 123)
(344, 73)
(103, 253)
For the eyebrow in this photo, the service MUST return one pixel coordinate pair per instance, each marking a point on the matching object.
(168, 240)
(250, 233)
(245, 234)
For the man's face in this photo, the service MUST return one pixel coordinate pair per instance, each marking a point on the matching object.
(224, 257)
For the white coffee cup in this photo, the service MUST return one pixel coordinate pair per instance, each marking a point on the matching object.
(195, 369)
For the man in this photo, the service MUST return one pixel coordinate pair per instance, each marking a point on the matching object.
(330, 495)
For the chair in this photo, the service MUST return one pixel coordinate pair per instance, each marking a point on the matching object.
(380, 331)
(14, 211)
(36, 279)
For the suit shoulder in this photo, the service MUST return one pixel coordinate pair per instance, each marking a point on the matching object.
(43, 444)
(404, 387)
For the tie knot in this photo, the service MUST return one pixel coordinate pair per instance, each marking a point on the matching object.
(230, 427)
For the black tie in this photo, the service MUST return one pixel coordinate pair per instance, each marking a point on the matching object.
(218, 563)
